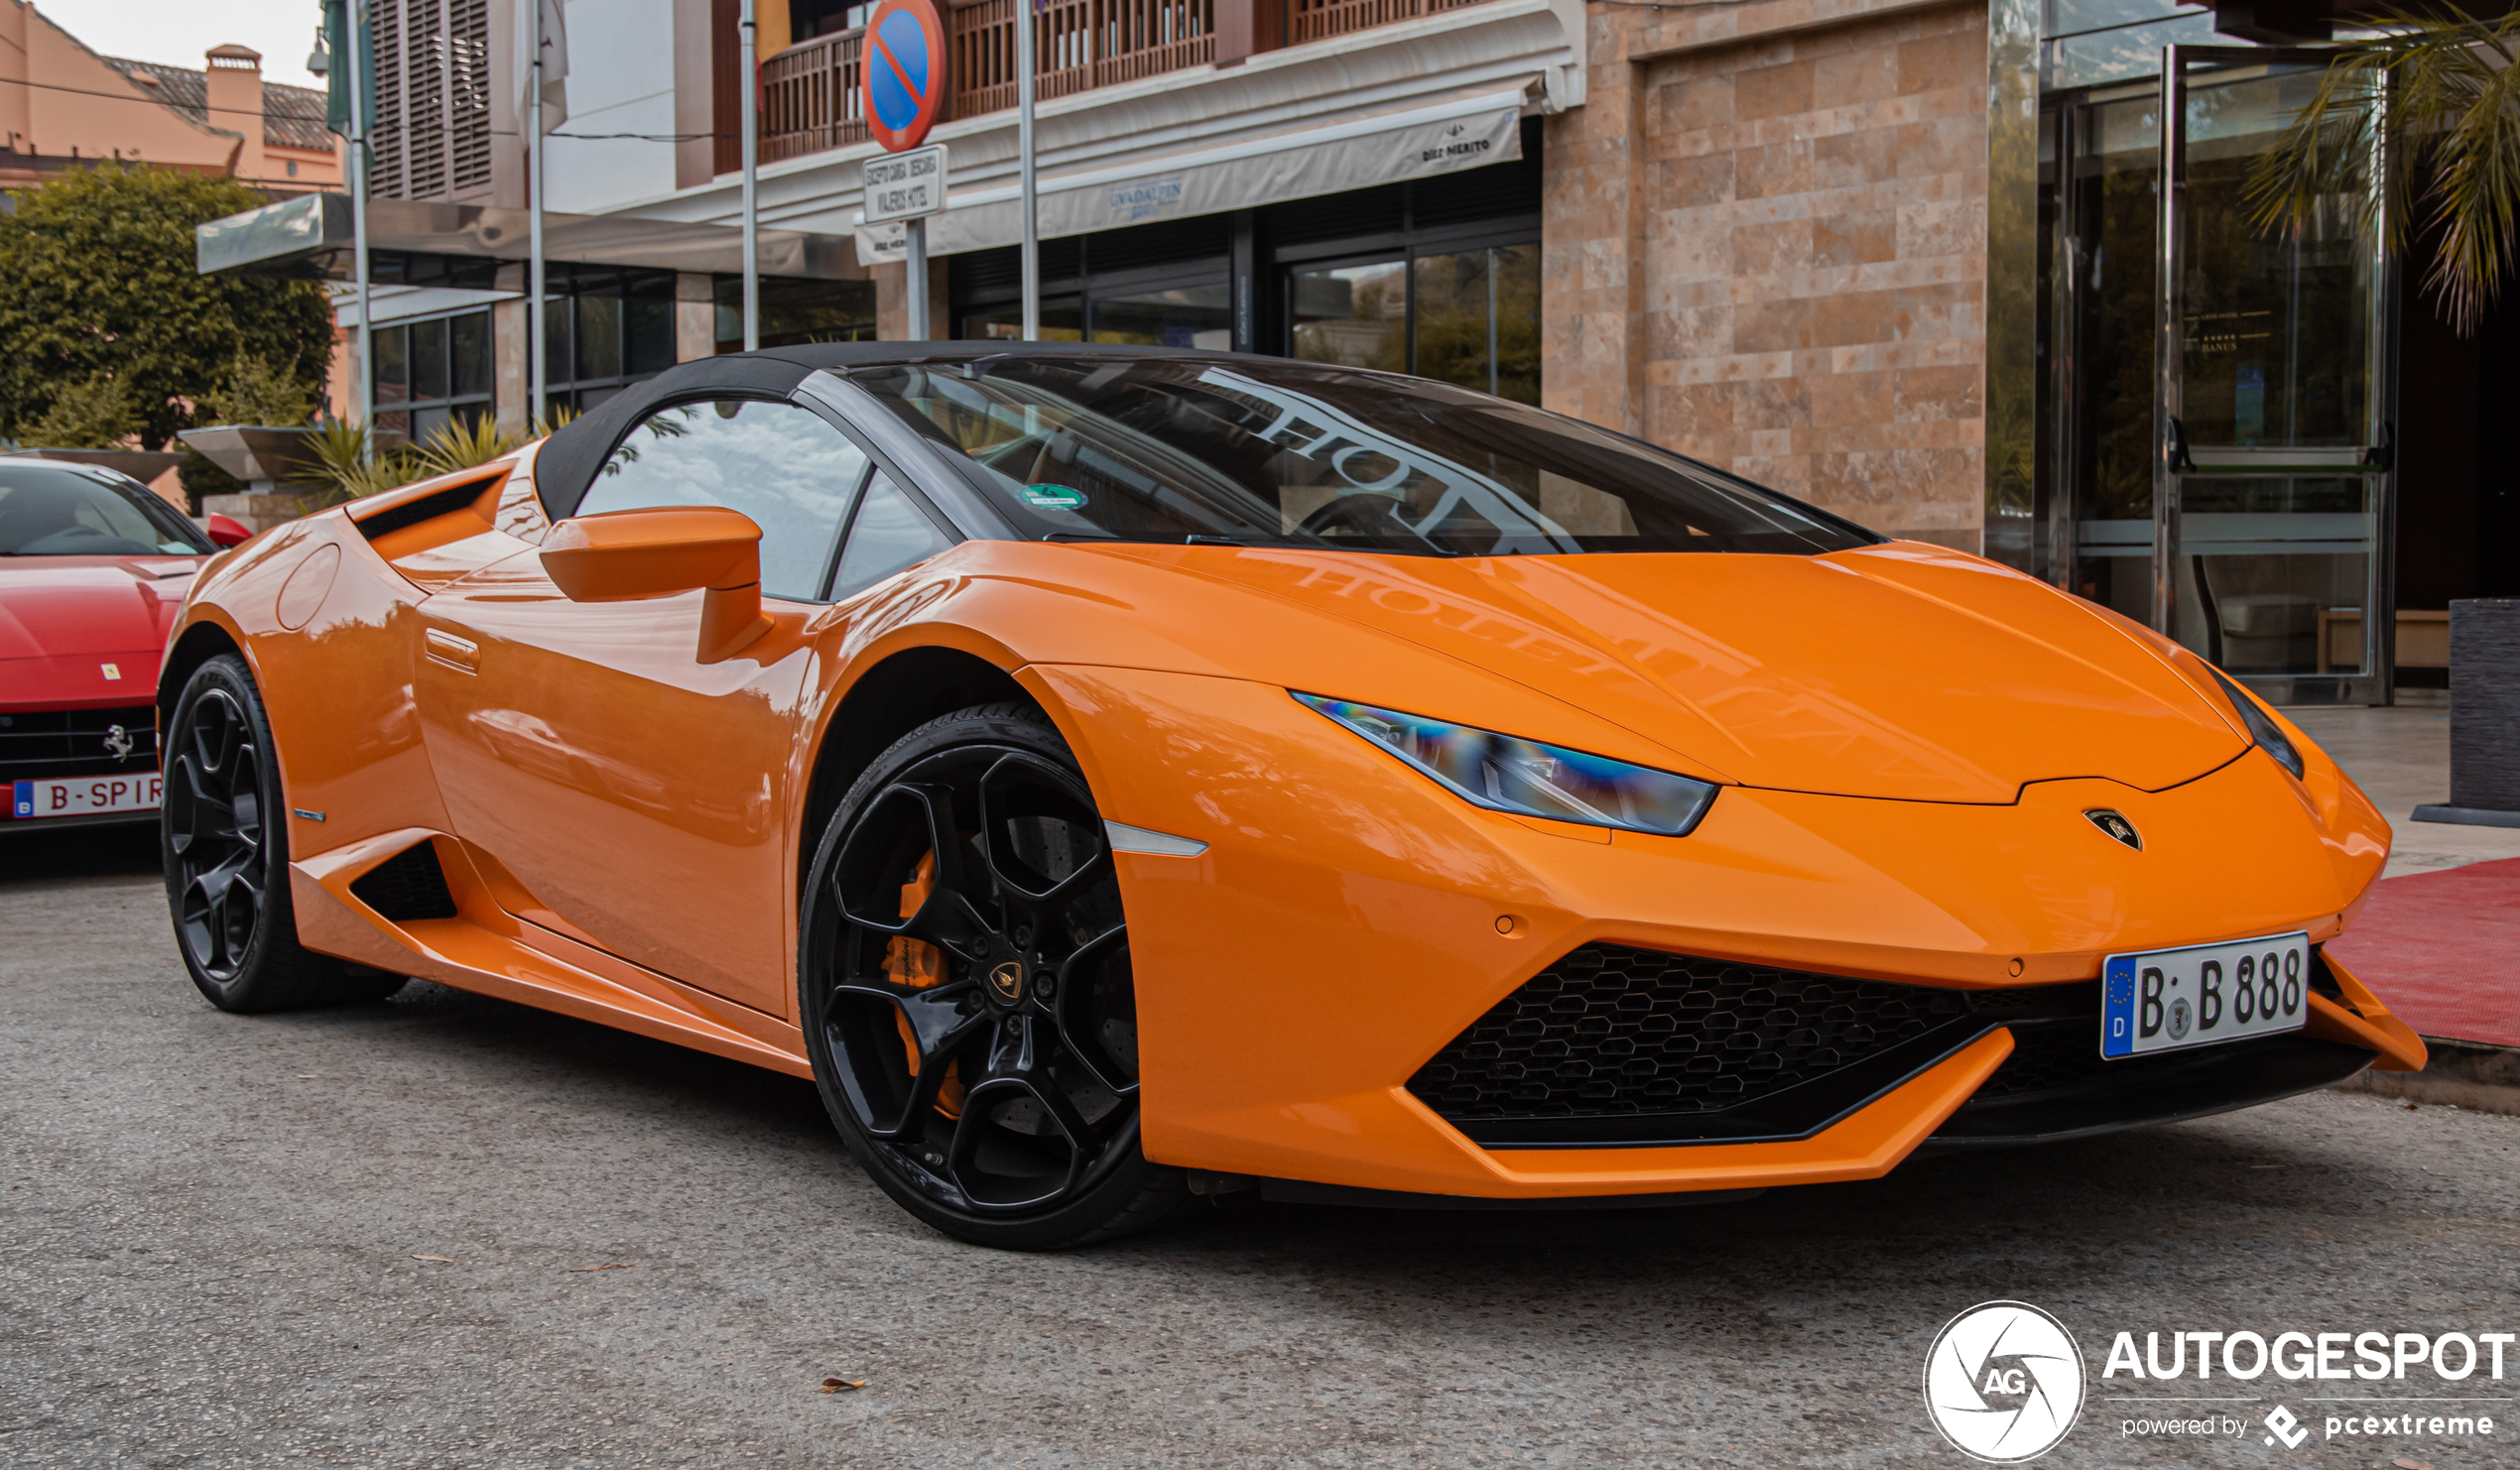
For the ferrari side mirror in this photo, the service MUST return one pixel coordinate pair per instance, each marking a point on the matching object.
(227, 532)
(631, 556)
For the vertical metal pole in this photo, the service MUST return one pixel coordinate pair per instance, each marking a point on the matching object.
(916, 234)
(536, 334)
(2167, 347)
(1025, 21)
(2066, 495)
(750, 129)
(1493, 381)
(358, 219)
(2380, 624)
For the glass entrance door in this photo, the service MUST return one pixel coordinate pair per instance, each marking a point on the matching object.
(2222, 395)
(2271, 472)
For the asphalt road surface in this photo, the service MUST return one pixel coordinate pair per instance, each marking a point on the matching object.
(216, 1236)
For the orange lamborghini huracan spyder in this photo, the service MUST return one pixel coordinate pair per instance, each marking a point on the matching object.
(1122, 775)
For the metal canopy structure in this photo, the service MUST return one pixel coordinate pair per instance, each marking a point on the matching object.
(311, 237)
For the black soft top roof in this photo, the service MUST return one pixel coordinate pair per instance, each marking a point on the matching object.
(570, 458)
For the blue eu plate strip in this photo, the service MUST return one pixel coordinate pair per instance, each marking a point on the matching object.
(2117, 1006)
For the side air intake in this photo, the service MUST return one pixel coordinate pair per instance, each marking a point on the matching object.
(407, 886)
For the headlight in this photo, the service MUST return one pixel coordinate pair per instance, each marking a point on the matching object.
(2268, 735)
(1505, 774)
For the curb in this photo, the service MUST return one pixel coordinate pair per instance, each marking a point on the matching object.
(2475, 1075)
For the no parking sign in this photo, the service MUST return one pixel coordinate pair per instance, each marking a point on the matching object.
(904, 81)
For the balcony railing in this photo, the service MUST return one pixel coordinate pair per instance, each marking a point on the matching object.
(1079, 45)
(811, 98)
(1318, 20)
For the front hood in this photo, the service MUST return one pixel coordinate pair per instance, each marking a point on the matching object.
(1901, 671)
(61, 607)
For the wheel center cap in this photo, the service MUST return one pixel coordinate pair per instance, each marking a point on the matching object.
(1008, 981)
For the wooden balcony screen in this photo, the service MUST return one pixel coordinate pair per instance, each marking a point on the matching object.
(1079, 45)
(812, 97)
(1318, 20)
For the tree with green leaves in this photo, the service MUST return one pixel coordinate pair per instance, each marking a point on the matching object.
(98, 286)
(2440, 94)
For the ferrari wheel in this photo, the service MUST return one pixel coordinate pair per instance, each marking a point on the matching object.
(966, 992)
(226, 839)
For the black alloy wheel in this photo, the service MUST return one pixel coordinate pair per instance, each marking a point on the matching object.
(967, 989)
(225, 836)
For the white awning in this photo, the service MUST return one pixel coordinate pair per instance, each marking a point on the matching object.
(1466, 130)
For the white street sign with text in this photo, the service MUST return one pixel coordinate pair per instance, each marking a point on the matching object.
(905, 185)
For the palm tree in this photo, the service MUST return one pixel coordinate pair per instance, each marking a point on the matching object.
(2439, 92)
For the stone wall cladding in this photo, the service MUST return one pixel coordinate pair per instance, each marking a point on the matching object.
(1765, 247)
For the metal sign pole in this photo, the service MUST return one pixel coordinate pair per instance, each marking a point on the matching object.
(358, 223)
(750, 128)
(1032, 272)
(537, 333)
(914, 233)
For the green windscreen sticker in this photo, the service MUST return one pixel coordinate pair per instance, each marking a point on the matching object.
(1054, 498)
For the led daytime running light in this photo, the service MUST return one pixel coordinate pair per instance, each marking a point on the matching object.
(1505, 772)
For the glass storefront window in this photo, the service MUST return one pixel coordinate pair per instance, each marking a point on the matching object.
(1062, 320)
(2116, 173)
(2273, 335)
(602, 330)
(432, 372)
(1477, 321)
(1466, 316)
(393, 365)
(1354, 316)
(1176, 317)
(2276, 571)
(794, 312)
(598, 352)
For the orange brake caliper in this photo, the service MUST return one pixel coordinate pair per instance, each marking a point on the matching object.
(917, 963)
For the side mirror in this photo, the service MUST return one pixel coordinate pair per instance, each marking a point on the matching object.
(227, 532)
(632, 555)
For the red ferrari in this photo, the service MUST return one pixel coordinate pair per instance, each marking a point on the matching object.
(92, 567)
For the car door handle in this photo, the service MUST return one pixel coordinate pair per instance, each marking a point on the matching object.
(458, 654)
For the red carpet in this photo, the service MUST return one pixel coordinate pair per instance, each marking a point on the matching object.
(2443, 950)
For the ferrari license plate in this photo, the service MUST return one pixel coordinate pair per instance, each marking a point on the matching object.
(88, 795)
(2166, 999)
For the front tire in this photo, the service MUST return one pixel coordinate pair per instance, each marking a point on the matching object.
(965, 989)
(223, 831)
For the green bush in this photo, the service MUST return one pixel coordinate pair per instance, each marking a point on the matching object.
(98, 281)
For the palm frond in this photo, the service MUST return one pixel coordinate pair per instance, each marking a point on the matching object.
(344, 469)
(2438, 97)
(465, 443)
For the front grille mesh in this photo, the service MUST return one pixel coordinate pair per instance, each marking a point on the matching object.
(1611, 1030)
(39, 744)
(2048, 1056)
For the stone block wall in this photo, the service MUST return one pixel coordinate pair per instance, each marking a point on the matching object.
(1765, 246)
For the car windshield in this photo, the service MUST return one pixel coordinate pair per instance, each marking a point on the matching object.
(1246, 453)
(79, 510)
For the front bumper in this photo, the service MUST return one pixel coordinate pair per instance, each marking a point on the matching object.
(1350, 919)
(29, 825)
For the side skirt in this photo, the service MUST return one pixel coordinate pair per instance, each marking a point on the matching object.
(489, 951)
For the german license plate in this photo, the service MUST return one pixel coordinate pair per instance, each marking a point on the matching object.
(86, 795)
(2167, 1000)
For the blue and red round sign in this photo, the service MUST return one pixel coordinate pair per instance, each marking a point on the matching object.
(904, 81)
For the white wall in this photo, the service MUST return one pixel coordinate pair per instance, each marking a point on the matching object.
(620, 80)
